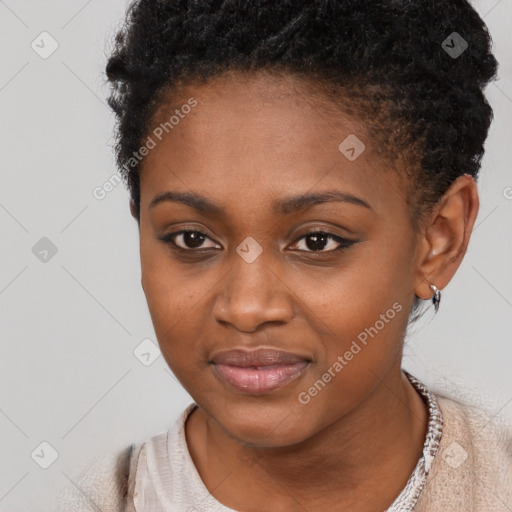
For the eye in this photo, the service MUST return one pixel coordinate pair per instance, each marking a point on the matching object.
(187, 240)
(316, 241)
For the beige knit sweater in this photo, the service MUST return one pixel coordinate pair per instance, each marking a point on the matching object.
(472, 471)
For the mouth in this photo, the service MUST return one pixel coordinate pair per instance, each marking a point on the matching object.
(258, 371)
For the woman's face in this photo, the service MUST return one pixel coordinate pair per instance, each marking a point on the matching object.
(247, 152)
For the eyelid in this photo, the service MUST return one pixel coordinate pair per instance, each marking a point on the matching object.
(325, 231)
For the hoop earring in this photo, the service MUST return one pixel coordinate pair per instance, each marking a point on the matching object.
(436, 299)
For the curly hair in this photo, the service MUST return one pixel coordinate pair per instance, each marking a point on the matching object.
(387, 62)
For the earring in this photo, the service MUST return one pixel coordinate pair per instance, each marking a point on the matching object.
(436, 299)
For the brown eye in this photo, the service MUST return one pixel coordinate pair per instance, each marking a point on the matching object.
(187, 240)
(317, 241)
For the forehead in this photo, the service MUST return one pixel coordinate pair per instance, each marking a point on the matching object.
(260, 136)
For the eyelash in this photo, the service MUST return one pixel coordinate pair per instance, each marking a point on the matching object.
(344, 243)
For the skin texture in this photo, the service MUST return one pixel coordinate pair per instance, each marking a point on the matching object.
(249, 141)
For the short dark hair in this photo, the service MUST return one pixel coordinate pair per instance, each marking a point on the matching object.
(385, 61)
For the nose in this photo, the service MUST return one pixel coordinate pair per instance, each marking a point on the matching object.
(253, 294)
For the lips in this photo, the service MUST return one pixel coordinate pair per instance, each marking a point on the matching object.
(260, 370)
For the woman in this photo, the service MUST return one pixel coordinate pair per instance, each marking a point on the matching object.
(303, 178)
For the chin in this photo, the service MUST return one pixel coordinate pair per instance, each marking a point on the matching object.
(263, 425)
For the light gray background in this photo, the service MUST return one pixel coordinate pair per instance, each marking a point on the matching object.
(69, 326)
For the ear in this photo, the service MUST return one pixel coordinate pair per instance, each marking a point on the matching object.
(446, 235)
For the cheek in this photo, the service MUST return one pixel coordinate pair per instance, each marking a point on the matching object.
(169, 287)
(359, 352)
(171, 295)
(350, 297)
(360, 314)
(164, 294)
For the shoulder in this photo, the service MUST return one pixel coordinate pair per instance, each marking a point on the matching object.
(109, 483)
(484, 432)
(103, 485)
(473, 467)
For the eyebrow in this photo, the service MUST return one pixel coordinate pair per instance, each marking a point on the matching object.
(284, 206)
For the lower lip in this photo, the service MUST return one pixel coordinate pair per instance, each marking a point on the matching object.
(257, 381)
